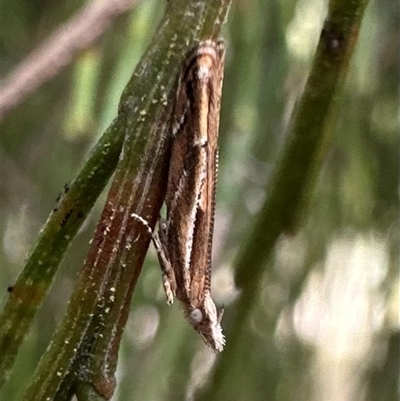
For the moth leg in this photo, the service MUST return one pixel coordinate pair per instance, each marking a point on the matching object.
(160, 244)
(168, 275)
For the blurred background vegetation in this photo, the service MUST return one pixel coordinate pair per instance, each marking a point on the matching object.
(326, 326)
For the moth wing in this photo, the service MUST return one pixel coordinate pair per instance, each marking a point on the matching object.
(210, 87)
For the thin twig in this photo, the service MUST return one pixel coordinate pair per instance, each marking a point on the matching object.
(290, 187)
(48, 59)
(83, 354)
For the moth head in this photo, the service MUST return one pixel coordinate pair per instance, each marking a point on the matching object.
(206, 321)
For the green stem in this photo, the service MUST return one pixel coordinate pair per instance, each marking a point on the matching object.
(293, 181)
(39, 270)
(87, 341)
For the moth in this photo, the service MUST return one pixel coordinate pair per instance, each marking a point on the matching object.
(184, 239)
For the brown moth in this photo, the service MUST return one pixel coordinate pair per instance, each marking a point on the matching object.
(184, 240)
